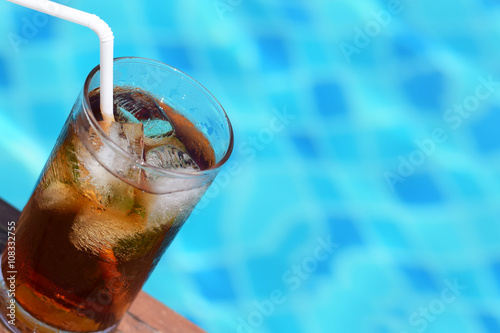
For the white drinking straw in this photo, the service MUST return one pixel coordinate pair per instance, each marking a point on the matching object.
(105, 36)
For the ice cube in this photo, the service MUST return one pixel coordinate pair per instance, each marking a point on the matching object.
(170, 158)
(92, 230)
(106, 171)
(134, 106)
(59, 197)
(107, 189)
(172, 140)
(171, 208)
(129, 136)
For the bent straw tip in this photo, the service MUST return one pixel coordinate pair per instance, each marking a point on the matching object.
(101, 28)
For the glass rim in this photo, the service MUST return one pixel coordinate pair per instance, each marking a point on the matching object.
(108, 141)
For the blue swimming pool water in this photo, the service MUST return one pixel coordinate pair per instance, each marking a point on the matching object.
(366, 190)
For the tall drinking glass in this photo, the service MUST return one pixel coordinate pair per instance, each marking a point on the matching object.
(111, 198)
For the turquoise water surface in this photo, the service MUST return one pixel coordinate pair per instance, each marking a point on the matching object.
(364, 185)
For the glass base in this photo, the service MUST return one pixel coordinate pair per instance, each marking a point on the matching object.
(25, 322)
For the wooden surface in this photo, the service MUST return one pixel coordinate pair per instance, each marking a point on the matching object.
(145, 315)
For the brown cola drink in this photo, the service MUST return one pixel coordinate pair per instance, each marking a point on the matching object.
(96, 226)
